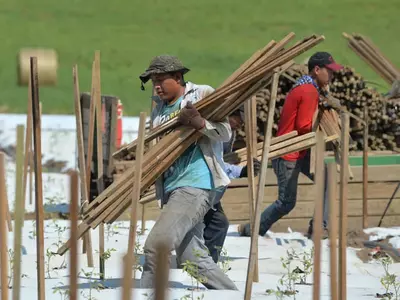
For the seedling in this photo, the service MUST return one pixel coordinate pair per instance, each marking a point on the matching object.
(11, 258)
(224, 259)
(64, 293)
(93, 284)
(389, 281)
(306, 260)
(111, 230)
(288, 281)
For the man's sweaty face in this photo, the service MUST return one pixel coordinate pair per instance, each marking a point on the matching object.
(165, 85)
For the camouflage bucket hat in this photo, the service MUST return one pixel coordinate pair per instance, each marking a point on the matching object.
(163, 64)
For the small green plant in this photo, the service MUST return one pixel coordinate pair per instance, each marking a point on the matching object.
(32, 233)
(224, 259)
(11, 261)
(389, 281)
(193, 270)
(288, 280)
(307, 260)
(93, 284)
(111, 230)
(64, 293)
(11, 257)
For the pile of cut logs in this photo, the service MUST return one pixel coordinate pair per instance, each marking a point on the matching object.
(351, 89)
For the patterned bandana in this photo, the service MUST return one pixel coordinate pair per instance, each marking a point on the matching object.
(307, 79)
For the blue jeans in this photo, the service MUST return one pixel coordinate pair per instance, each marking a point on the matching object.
(287, 173)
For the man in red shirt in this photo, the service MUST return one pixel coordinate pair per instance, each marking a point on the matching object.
(297, 114)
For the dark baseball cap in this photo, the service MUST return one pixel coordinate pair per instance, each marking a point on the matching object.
(323, 59)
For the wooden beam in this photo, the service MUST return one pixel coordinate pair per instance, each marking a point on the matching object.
(134, 205)
(333, 228)
(365, 169)
(87, 239)
(19, 212)
(343, 206)
(96, 98)
(260, 190)
(317, 224)
(250, 169)
(37, 138)
(73, 253)
(3, 233)
(28, 145)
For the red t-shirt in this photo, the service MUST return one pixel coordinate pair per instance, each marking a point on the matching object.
(297, 114)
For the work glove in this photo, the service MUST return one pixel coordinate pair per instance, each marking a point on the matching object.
(190, 116)
(256, 167)
(332, 102)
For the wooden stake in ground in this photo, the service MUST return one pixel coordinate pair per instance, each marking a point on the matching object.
(162, 272)
(333, 228)
(19, 212)
(317, 224)
(4, 195)
(82, 166)
(96, 98)
(260, 190)
(3, 232)
(28, 146)
(37, 138)
(343, 205)
(365, 169)
(248, 112)
(73, 212)
(129, 258)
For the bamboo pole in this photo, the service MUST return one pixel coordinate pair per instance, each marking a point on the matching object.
(250, 170)
(134, 204)
(38, 179)
(28, 146)
(19, 212)
(73, 266)
(343, 206)
(4, 194)
(162, 272)
(87, 239)
(365, 169)
(137, 182)
(317, 228)
(260, 190)
(3, 233)
(96, 98)
(333, 228)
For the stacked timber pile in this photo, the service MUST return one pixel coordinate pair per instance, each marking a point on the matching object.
(350, 88)
(253, 75)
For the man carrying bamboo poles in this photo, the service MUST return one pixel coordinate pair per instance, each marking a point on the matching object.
(297, 114)
(187, 190)
(216, 222)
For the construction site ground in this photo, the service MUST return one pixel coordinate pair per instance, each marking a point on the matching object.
(363, 277)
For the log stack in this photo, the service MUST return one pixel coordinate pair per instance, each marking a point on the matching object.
(350, 88)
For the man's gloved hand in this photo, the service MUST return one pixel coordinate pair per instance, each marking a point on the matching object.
(191, 117)
(332, 102)
(256, 166)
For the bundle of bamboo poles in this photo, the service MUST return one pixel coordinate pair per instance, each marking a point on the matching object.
(371, 54)
(253, 75)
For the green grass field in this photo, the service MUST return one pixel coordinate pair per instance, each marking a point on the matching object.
(211, 37)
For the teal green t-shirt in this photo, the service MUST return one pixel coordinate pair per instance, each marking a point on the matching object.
(190, 169)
